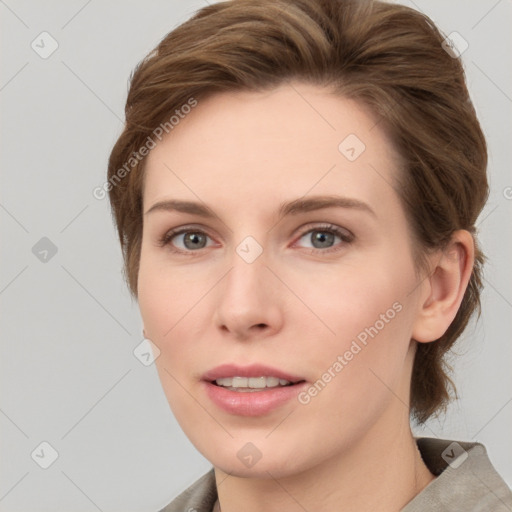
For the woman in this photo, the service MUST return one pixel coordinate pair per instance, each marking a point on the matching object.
(295, 191)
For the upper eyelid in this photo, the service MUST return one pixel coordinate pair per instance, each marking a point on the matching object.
(305, 228)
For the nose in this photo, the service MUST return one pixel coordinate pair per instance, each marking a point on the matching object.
(248, 301)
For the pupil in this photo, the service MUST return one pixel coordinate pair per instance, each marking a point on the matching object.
(323, 238)
(194, 239)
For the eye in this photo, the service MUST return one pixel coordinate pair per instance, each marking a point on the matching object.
(185, 240)
(323, 238)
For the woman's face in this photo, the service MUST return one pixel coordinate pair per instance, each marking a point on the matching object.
(285, 305)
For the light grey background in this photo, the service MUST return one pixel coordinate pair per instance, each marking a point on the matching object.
(69, 328)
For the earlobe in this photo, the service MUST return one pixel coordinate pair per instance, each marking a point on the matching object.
(443, 290)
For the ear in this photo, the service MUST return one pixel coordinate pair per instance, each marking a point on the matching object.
(443, 290)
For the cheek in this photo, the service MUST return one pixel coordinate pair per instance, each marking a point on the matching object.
(363, 323)
(167, 302)
(359, 371)
(174, 306)
(349, 299)
(167, 294)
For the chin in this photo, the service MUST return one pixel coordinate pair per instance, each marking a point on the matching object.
(258, 458)
(261, 469)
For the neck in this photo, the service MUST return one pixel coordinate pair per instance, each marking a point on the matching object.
(382, 471)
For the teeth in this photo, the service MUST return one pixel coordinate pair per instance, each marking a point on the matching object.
(257, 382)
(239, 383)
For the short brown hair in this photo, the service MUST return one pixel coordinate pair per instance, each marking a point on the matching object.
(387, 56)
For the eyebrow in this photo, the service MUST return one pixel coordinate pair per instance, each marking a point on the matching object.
(296, 207)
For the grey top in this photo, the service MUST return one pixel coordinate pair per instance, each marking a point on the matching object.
(466, 481)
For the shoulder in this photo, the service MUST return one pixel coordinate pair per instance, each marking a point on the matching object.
(199, 497)
(466, 479)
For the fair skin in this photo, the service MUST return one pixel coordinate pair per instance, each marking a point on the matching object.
(299, 305)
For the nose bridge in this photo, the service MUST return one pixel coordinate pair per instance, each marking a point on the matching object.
(245, 279)
(246, 299)
(247, 260)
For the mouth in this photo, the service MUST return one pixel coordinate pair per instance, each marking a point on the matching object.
(252, 384)
(255, 377)
(251, 390)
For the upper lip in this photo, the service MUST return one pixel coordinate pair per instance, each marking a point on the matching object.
(253, 370)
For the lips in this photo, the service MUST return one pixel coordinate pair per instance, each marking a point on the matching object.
(250, 390)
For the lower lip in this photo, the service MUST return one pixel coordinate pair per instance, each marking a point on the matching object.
(255, 403)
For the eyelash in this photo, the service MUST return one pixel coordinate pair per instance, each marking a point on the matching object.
(165, 240)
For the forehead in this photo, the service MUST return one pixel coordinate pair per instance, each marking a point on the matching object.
(284, 143)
